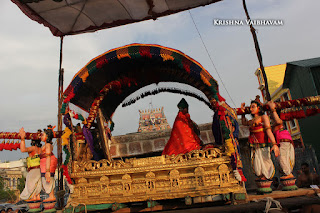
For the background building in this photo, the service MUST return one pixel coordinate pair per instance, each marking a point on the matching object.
(152, 120)
(12, 171)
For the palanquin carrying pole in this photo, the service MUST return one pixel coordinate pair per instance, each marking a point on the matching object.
(308, 101)
(29, 135)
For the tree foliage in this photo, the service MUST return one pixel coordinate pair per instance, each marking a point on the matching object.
(5, 193)
(21, 184)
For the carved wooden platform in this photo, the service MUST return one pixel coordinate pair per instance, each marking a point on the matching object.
(198, 173)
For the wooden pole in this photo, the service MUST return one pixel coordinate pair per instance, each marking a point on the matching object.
(256, 44)
(103, 136)
(59, 147)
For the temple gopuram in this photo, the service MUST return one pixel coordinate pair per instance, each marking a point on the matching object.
(152, 120)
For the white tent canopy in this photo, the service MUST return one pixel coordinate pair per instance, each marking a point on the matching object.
(69, 17)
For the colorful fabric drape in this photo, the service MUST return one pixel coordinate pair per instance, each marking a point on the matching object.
(193, 72)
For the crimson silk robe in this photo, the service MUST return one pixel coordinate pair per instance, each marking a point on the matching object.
(183, 139)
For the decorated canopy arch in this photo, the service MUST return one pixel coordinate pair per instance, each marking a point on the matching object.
(112, 76)
(107, 80)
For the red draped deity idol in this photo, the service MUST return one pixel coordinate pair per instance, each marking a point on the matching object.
(184, 136)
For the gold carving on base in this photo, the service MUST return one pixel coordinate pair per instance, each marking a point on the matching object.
(198, 173)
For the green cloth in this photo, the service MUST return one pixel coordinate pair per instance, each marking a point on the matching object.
(183, 104)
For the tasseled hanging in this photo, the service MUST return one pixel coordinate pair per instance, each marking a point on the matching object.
(300, 114)
(311, 111)
(1, 146)
(287, 115)
(16, 146)
(8, 146)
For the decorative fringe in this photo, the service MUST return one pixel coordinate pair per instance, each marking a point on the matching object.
(9, 146)
(312, 111)
(300, 114)
(172, 90)
(290, 114)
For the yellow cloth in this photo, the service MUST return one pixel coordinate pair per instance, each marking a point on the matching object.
(33, 161)
(65, 136)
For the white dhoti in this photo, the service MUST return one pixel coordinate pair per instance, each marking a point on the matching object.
(47, 186)
(262, 163)
(33, 184)
(286, 158)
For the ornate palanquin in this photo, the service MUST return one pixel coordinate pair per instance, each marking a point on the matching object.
(101, 86)
(198, 173)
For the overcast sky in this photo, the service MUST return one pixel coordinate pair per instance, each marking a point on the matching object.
(29, 57)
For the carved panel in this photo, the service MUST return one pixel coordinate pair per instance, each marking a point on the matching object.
(199, 175)
(126, 184)
(150, 182)
(174, 179)
(223, 174)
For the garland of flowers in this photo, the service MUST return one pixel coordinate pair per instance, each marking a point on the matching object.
(230, 142)
(67, 152)
(115, 85)
(65, 142)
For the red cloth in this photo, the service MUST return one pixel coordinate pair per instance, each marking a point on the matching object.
(257, 135)
(183, 139)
